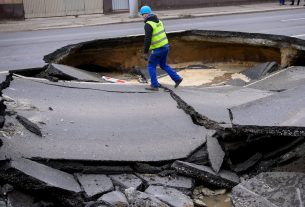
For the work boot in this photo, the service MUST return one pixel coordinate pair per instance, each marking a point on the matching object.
(178, 82)
(151, 88)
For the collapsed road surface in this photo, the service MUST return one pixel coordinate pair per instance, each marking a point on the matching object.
(70, 139)
(101, 122)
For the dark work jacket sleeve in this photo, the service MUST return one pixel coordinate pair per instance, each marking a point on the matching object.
(148, 34)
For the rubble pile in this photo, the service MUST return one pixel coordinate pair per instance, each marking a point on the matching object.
(40, 185)
(271, 189)
(182, 184)
(219, 164)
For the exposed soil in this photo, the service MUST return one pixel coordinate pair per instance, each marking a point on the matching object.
(218, 201)
(202, 75)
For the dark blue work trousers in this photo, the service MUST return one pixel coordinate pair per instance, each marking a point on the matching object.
(159, 57)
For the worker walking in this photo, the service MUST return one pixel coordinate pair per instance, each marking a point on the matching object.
(156, 41)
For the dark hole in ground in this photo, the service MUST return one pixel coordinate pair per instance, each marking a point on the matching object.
(42, 73)
(264, 145)
(186, 47)
(29, 72)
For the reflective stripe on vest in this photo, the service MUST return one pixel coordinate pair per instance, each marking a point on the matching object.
(159, 38)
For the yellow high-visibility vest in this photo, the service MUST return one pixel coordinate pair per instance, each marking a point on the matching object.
(159, 38)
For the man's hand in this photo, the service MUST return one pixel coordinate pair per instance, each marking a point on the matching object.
(145, 56)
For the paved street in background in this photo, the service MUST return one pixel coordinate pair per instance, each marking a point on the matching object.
(21, 50)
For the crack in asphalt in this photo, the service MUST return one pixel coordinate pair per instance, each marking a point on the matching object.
(197, 118)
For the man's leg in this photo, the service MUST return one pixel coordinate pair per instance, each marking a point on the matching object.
(152, 64)
(163, 64)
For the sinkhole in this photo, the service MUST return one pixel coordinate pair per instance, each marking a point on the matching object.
(201, 57)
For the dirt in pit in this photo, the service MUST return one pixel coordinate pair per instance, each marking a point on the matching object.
(193, 73)
(218, 201)
(210, 74)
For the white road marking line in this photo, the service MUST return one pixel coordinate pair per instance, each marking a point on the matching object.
(174, 31)
(301, 35)
(288, 20)
(134, 35)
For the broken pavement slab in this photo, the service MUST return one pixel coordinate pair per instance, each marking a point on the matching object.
(124, 181)
(287, 78)
(182, 183)
(140, 199)
(114, 198)
(32, 127)
(213, 103)
(170, 196)
(98, 127)
(274, 189)
(259, 71)
(94, 184)
(41, 179)
(224, 179)
(262, 116)
(72, 73)
(216, 154)
(107, 87)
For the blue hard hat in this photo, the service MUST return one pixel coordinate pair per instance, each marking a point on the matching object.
(145, 10)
